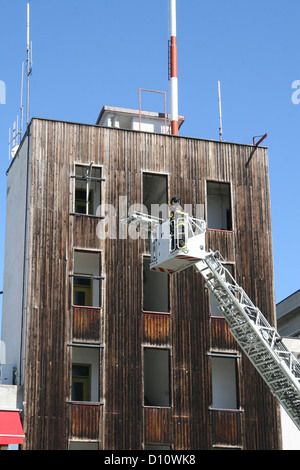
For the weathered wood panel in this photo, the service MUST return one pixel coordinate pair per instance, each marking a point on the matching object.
(188, 331)
(85, 229)
(226, 428)
(85, 421)
(48, 304)
(157, 425)
(157, 329)
(183, 429)
(221, 338)
(222, 241)
(87, 324)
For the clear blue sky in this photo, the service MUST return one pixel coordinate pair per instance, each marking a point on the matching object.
(91, 53)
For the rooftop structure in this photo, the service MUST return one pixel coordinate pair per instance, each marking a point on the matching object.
(133, 119)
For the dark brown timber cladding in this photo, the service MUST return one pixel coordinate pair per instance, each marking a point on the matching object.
(85, 419)
(87, 324)
(189, 332)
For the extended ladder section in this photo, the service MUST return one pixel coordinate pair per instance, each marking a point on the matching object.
(257, 338)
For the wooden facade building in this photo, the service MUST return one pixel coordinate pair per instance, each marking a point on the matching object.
(110, 356)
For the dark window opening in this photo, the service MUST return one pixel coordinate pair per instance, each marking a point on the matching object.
(81, 382)
(87, 279)
(85, 374)
(157, 447)
(219, 213)
(155, 194)
(155, 289)
(81, 202)
(156, 377)
(224, 383)
(87, 192)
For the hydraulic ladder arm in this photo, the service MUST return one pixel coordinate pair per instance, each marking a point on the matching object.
(257, 338)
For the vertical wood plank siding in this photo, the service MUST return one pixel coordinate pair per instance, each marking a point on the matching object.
(221, 338)
(158, 424)
(189, 331)
(221, 241)
(88, 324)
(226, 428)
(85, 421)
(157, 329)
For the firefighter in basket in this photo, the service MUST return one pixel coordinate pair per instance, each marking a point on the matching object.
(177, 232)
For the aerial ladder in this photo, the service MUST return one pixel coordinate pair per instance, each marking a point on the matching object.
(260, 341)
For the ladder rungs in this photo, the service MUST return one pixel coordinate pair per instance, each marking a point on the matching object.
(255, 336)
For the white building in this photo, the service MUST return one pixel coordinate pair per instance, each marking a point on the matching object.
(288, 324)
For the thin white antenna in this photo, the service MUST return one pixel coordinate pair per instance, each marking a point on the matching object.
(29, 62)
(16, 132)
(220, 111)
(13, 140)
(21, 102)
(9, 143)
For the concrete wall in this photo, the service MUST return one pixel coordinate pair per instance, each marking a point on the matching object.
(11, 397)
(15, 252)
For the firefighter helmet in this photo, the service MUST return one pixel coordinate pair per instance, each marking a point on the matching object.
(175, 200)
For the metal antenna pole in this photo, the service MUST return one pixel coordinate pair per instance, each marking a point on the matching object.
(21, 104)
(220, 111)
(29, 62)
(88, 179)
(174, 72)
(9, 144)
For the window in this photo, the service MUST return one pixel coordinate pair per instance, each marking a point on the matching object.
(87, 279)
(156, 377)
(214, 306)
(156, 447)
(219, 215)
(81, 206)
(81, 445)
(83, 292)
(87, 191)
(224, 382)
(155, 289)
(155, 194)
(81, 382)
(85, 374)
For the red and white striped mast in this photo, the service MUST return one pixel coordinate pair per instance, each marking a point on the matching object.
(174, 75)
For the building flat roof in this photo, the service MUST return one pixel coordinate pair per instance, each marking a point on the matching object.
(288, 305)
(133, 112)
